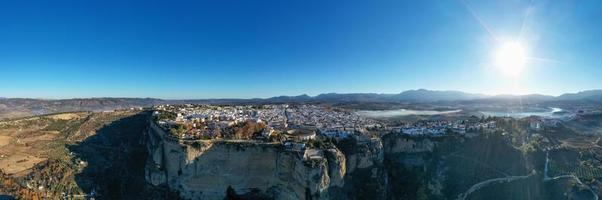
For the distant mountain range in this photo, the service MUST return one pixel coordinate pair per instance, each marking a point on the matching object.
(423, 95)
(10, 107)
(420, 95)
(594, 95)
(410, 95)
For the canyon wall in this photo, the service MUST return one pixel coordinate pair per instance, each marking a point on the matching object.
(204, 169)
(399, 144)
(390, 167)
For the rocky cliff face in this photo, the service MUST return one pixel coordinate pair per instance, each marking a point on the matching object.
(390, 167)
(205, 169)
(398, 144)
(366, 177)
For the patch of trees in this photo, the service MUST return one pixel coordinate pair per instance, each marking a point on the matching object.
(231, 194)
(277, 136)
(165, 116)
(406, 182)
(197, 145)
(177, 130)
(246, 130)
(53, 175)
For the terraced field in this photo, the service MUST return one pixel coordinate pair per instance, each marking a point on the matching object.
(582, 171)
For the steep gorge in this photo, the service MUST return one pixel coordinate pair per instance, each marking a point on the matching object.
(390, 167)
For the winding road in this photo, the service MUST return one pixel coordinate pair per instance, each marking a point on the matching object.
(506, 179)
(547, 178)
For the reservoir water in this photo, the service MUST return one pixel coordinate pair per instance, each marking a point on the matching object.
(549, 113)
(402, 112)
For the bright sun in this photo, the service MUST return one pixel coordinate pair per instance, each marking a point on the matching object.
(511, 58)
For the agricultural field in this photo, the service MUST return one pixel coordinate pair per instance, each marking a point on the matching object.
(41, 157)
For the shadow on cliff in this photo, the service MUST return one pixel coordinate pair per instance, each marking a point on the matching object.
(6, 197)
(115, 158)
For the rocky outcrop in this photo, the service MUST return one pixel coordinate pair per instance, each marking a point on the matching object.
(367, 153)
(403, 144)
(366, 177)
(355, 169)
(205, 169)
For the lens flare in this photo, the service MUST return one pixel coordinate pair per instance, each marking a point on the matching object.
(511, 58)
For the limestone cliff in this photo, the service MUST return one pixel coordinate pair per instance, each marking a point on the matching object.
(403, 144)
(366, 177)
(358, 168)
(204, 169)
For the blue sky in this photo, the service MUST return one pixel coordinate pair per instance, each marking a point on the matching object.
(241, 49)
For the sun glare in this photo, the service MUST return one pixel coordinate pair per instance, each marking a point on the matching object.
(511, 58)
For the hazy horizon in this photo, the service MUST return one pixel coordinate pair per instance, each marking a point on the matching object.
(290, 95)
